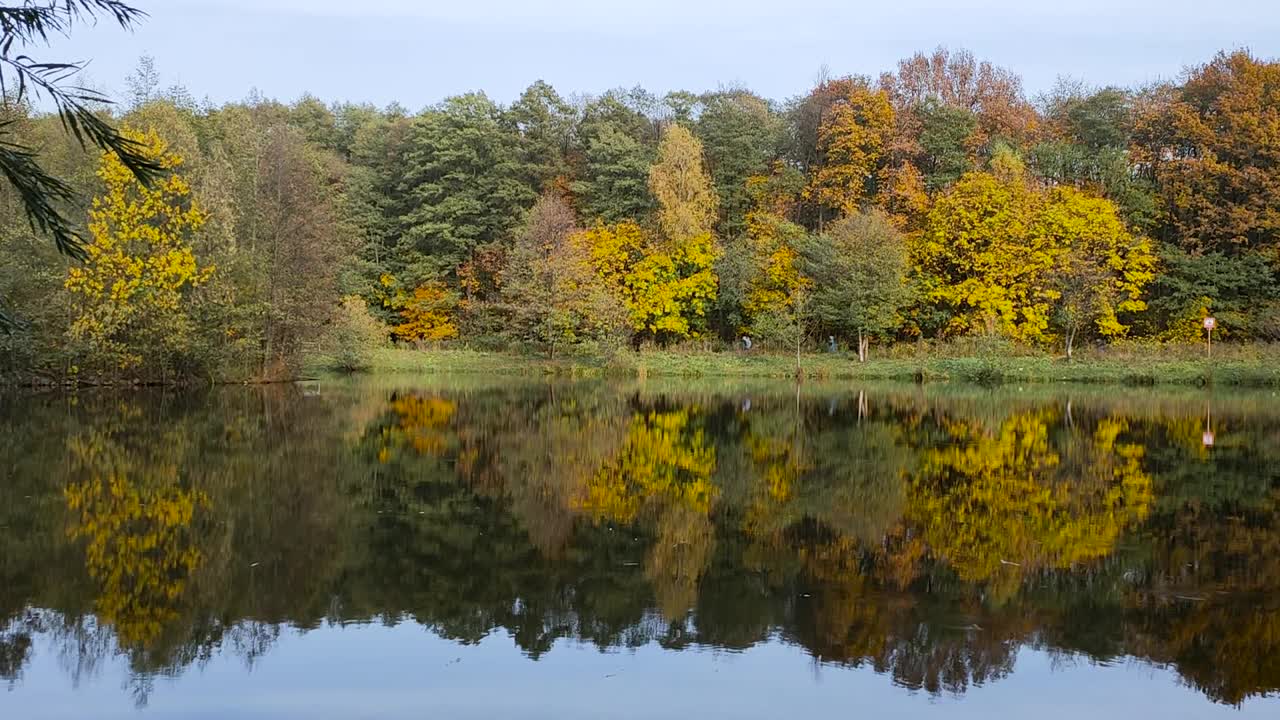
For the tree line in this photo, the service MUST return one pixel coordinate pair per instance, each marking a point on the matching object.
(933, 202)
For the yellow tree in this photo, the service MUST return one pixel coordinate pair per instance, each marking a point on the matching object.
(1003, 257)
(426, 315)
(686, 198)
(775, 274)
(1101, 269)
(980, 261)
(128, 295)
(673, 290)
(851, 141)
(667, 290)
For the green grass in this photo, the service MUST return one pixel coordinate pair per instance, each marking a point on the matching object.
(1244, 366)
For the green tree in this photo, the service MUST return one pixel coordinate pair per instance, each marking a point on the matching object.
(944, 138)
(858, 273)
(1191, 286)
(614, 186)
(741, 134)
(546, 124)
(1090, 133)
(465, 183)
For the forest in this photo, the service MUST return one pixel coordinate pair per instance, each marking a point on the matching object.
(935, 202)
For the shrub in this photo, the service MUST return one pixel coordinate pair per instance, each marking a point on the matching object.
(354, 335)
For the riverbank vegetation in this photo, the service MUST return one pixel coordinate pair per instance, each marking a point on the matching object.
(1252, 365)
(935, 204)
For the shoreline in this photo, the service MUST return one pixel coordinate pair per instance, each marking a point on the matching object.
(1261, 371)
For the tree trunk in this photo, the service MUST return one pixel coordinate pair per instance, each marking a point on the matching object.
(863, 343)
(799, 371)
(1071, 338)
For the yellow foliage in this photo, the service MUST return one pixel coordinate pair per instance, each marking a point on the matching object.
(665, 460)
(128, 294)
(666, 290)
(136, 519)
(775, 272)
(1102, 267)
(422, 423)
(997, 506)
(851, 140)
(425, 315)
(1001, 255)
(978, 257)
(686, 200)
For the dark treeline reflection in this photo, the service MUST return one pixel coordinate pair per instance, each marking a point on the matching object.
(928, 534)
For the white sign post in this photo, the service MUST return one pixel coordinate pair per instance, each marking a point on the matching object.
(1209, 324)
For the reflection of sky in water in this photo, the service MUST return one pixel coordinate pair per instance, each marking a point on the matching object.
(372, 671)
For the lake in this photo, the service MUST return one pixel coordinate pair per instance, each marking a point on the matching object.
(473, 547)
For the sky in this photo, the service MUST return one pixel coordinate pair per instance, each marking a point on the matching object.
(418, 52)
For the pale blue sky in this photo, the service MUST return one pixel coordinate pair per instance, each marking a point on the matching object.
(419, 51)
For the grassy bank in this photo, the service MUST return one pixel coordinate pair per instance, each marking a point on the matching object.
(1247, 366)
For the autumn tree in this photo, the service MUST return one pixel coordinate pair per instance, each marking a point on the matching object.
(353, 335)
(956, 79)
(426, 314)
(549, 287)
(978, 259)
(858, 272)
(1215, 169)
(851, 142)
(999, 253)
(668, 291)
(680, 184)
(756, 271)
(773, 250)
(1212, 152)
(1101, 269)
(130, 296)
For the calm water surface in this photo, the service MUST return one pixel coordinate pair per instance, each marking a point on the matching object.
(475, 548)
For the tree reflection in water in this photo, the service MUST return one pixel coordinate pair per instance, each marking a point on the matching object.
(926, 534)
